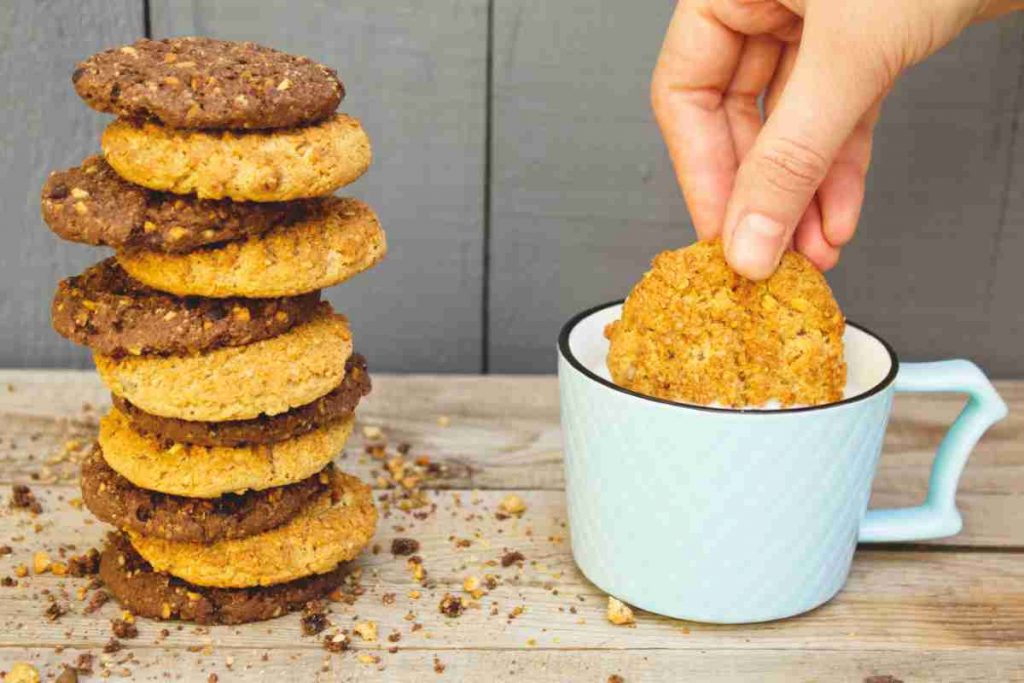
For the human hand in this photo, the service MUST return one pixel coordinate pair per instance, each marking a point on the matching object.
(797, 178)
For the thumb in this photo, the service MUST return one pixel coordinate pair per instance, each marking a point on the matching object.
(830, 88)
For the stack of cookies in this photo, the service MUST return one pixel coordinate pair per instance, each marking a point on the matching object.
(233, 385)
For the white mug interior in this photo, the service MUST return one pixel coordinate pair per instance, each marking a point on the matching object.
(869, 361)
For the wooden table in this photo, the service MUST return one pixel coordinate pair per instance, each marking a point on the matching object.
(952, 610)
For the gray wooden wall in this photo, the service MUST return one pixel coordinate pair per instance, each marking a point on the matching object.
(521, 177)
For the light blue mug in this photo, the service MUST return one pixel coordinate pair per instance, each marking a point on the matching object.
(734, 516)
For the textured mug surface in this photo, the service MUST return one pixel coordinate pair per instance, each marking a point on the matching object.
(731, 516)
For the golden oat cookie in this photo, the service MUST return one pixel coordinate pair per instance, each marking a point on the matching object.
(340, 239)
(207, 472)
(332, 530)
(237, 382)
(694, 331)
(260, 166)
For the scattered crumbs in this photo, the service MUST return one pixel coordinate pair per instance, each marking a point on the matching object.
(404, 546)
(113, 645)
(124, 628)
(337, 642)
(616, 678)
(22, 498)
(451, 606)
(314, 618)
(55, 611)
(619, 613)
(443, 421)
(438, 666)
(511, 505)
(512, 557)
(373, 432)
(83, 664)
(367, 630)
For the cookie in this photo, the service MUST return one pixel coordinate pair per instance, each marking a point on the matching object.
(208, 83)
(342, 240)
(334, 406)
(117, 316)
(260, 166)
(115, 500)
(201, 472)
(693, 331)
(93, 205)
(332, 530)
(147, 593)
(237, 382)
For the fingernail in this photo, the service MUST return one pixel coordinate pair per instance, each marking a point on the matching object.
(756, 246)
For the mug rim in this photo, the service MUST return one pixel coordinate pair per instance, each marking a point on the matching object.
(566, 352)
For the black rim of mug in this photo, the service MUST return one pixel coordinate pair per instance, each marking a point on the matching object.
(564, 350)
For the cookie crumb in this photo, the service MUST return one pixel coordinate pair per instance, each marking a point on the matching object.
(338, 642)
(123, 628)
(511, 505)
(404, 546)
(438, 666)
(367, 630)
(22, 498)
(22, 672)
(314, 618)
(619, 613)
(451, 606)
(616, 678)
(512, 557)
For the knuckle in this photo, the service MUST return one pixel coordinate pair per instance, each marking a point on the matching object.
(791, 165)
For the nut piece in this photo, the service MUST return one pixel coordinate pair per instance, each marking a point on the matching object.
(619, 613)
(512, 505)
(367, 630)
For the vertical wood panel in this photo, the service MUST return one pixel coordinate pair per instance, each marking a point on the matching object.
(415, 74)
(584, 194)
(582, 189)
(45, 127)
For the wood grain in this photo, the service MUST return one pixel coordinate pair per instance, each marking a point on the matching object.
(414, 665)
(918, 613)
(894, 600)
(45, 127)
(503, 433)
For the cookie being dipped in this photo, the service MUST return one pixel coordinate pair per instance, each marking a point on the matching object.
(694, 331)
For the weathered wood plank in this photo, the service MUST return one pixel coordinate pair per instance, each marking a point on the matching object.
(45, 127)
(503, 433)
(894, 600)
(583, 188)
(543, 666)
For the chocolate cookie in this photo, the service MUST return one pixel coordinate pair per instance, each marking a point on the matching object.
(262, 430)
(150, 594)
(117, 501)
(116, 316)
(208, 83)
(93, 205)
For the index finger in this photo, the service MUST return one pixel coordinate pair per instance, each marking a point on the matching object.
(698, 59)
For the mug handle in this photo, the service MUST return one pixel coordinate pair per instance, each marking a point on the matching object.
(938, 516)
